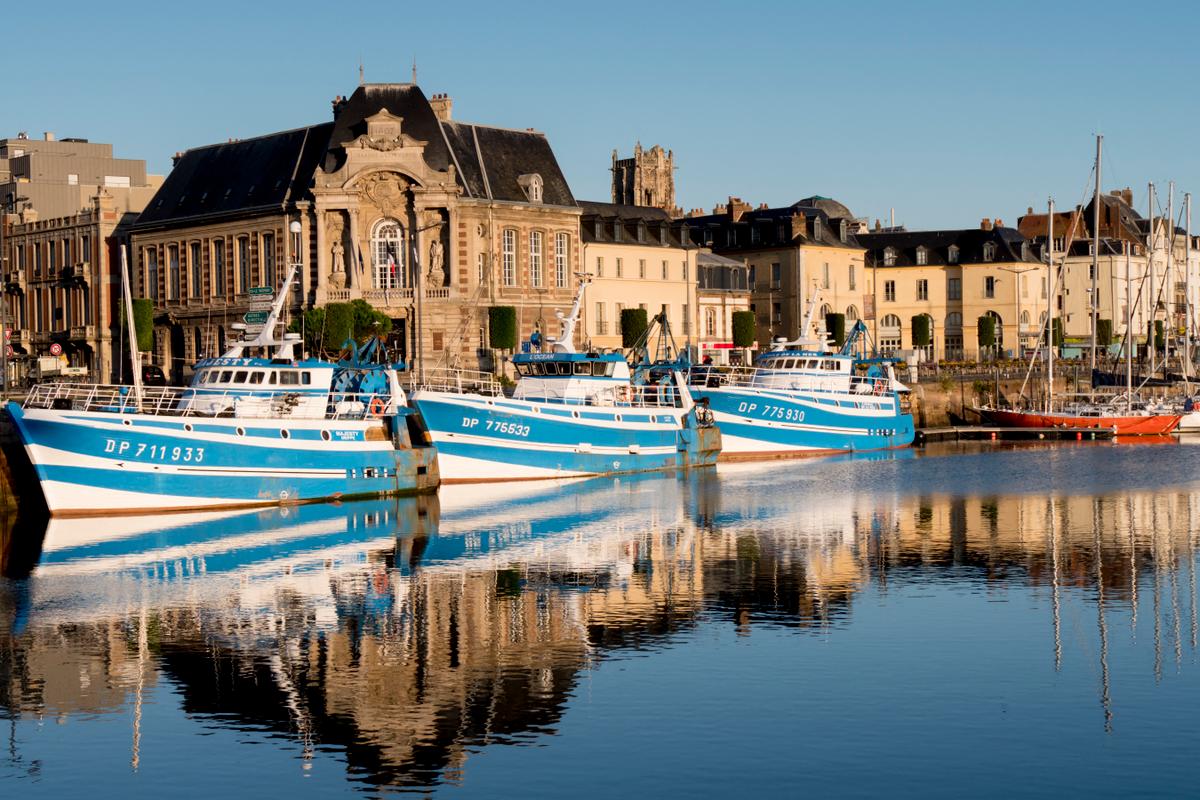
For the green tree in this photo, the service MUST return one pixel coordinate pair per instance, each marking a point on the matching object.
(502, 325)
(743, 329)
(367, 321)
(835, 326)
(633, 325)
(987, 331)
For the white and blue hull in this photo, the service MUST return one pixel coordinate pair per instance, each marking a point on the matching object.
(91, 462)
(482, 438)
(767, 423)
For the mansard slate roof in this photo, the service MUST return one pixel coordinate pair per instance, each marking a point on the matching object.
(250, 176)
(614, 223)
(1009, 245)
(811, 209)
(239, 177)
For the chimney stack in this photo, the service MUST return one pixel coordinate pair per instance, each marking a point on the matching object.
(999, 223)
(48, 135)
(985, 224)
(442, 106)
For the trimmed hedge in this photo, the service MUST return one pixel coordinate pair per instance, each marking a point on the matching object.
(987, 331)
(743, 329)
(633, 325)
(921, 333)
(1104, 332)
(502, 327)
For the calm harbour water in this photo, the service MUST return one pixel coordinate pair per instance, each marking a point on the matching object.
(976, 621)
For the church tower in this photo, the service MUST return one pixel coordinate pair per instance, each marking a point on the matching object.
(647, 179)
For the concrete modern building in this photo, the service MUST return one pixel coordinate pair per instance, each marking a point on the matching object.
(637, 258)
(399, 205)
(71, 203)
(954, 277)
(791, 252)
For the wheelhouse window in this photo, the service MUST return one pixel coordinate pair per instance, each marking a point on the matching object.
(387, 254)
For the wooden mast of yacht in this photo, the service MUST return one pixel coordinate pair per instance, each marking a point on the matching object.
(1128, 334)
(1168, 290)
(1187, 286)
(1093, 302)
(1152, 330)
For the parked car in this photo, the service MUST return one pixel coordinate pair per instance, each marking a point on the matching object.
(153, 376)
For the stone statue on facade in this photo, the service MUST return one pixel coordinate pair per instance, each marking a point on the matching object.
(436, 274)
(337, 278)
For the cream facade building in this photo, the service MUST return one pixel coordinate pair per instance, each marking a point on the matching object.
(723, 289)
(637, 260)
(954, 277)
(399, 205)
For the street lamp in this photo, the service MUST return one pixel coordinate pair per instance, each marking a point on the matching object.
(8, 206)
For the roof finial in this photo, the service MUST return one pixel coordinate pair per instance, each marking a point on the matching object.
(361, 80)
(414, 80)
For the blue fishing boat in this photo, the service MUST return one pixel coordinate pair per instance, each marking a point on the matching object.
(571, 414)
(260, 425)
(801, 398)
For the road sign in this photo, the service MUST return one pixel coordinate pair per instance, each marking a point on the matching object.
(255, 317)
(261, 305)
(56, 349)
(253, 330)
(8, 351)
(261, 290)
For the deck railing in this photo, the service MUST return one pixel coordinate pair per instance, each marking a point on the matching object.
(192, 402)
(787, 380)
(461, 381)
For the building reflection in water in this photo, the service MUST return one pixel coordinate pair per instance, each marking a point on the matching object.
(408, 632)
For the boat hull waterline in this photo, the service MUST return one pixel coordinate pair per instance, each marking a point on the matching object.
(106, 463)
(1151, 425)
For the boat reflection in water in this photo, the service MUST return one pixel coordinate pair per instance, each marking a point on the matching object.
(405, 635)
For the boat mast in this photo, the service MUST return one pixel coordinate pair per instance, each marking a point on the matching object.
(1169, 278)
(1128, 334)
(1050, 306)
(1095, 250)
(1153, 300)
(565, 343)
(1187, 286)
(134, 356)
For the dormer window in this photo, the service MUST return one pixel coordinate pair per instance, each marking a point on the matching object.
(889, 257)
(844, 231)
(952, 254)
(989, 252)
(532, 184)
(816, 227)
(922, 256)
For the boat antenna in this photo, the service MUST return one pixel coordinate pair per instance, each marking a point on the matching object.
(565, 343)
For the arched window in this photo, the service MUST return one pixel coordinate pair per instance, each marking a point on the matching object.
(852, 314)
(889, 334)
(1024, 317)
(952, 254)
(989, 251)
(890, 322)
(922, 256)
(387, 254)
(952, 337)
(826, 310)
(710, 322)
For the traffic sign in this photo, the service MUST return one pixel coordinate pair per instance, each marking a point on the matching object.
(56, 349)
(8, 351)
(253, 330)
(255, 317)
(261, 290)
(261, 305)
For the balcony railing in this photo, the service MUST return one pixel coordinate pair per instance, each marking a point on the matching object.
(85, 332)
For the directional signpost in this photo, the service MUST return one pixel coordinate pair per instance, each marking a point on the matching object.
(261, 299)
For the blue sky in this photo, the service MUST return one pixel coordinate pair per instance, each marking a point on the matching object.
(946, 111)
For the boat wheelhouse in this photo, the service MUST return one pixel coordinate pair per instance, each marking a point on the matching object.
(257, 426)
(800, 399)
(571, 414)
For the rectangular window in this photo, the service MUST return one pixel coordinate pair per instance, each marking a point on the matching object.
(151, 255)
(218, 266)
(601, 323)
(853, 281)
(561, 243)
(1044, 292)
(53, 257)
(954, 288)
(687, 322)
(825, 276)
(666, 271)
(599, 266)
(922, 289)
(776, 276)
(267, 260)
(508, 256)
(480, 268)
(750, 276)
(243, 265)
(684, 267)
(20, 260)
(989, 287)
(173, 277)
(85, 248)
(72, 179)
(620, 268)
(641, 267)
(196, 281)
(535, 258)
(889, 291)
(37, 260)
(1024, 286)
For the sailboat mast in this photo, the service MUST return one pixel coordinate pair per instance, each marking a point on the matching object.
(1169, 278)
(1187, 286)
(1150, 337)
(1094, 302)
(1128, 334)
(1050, 310)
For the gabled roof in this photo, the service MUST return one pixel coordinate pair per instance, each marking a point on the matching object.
(238, 177)
(492, 160)
(1008, 243)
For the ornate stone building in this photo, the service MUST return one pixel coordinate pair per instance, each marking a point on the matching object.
(399, 205)
(647, 179)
